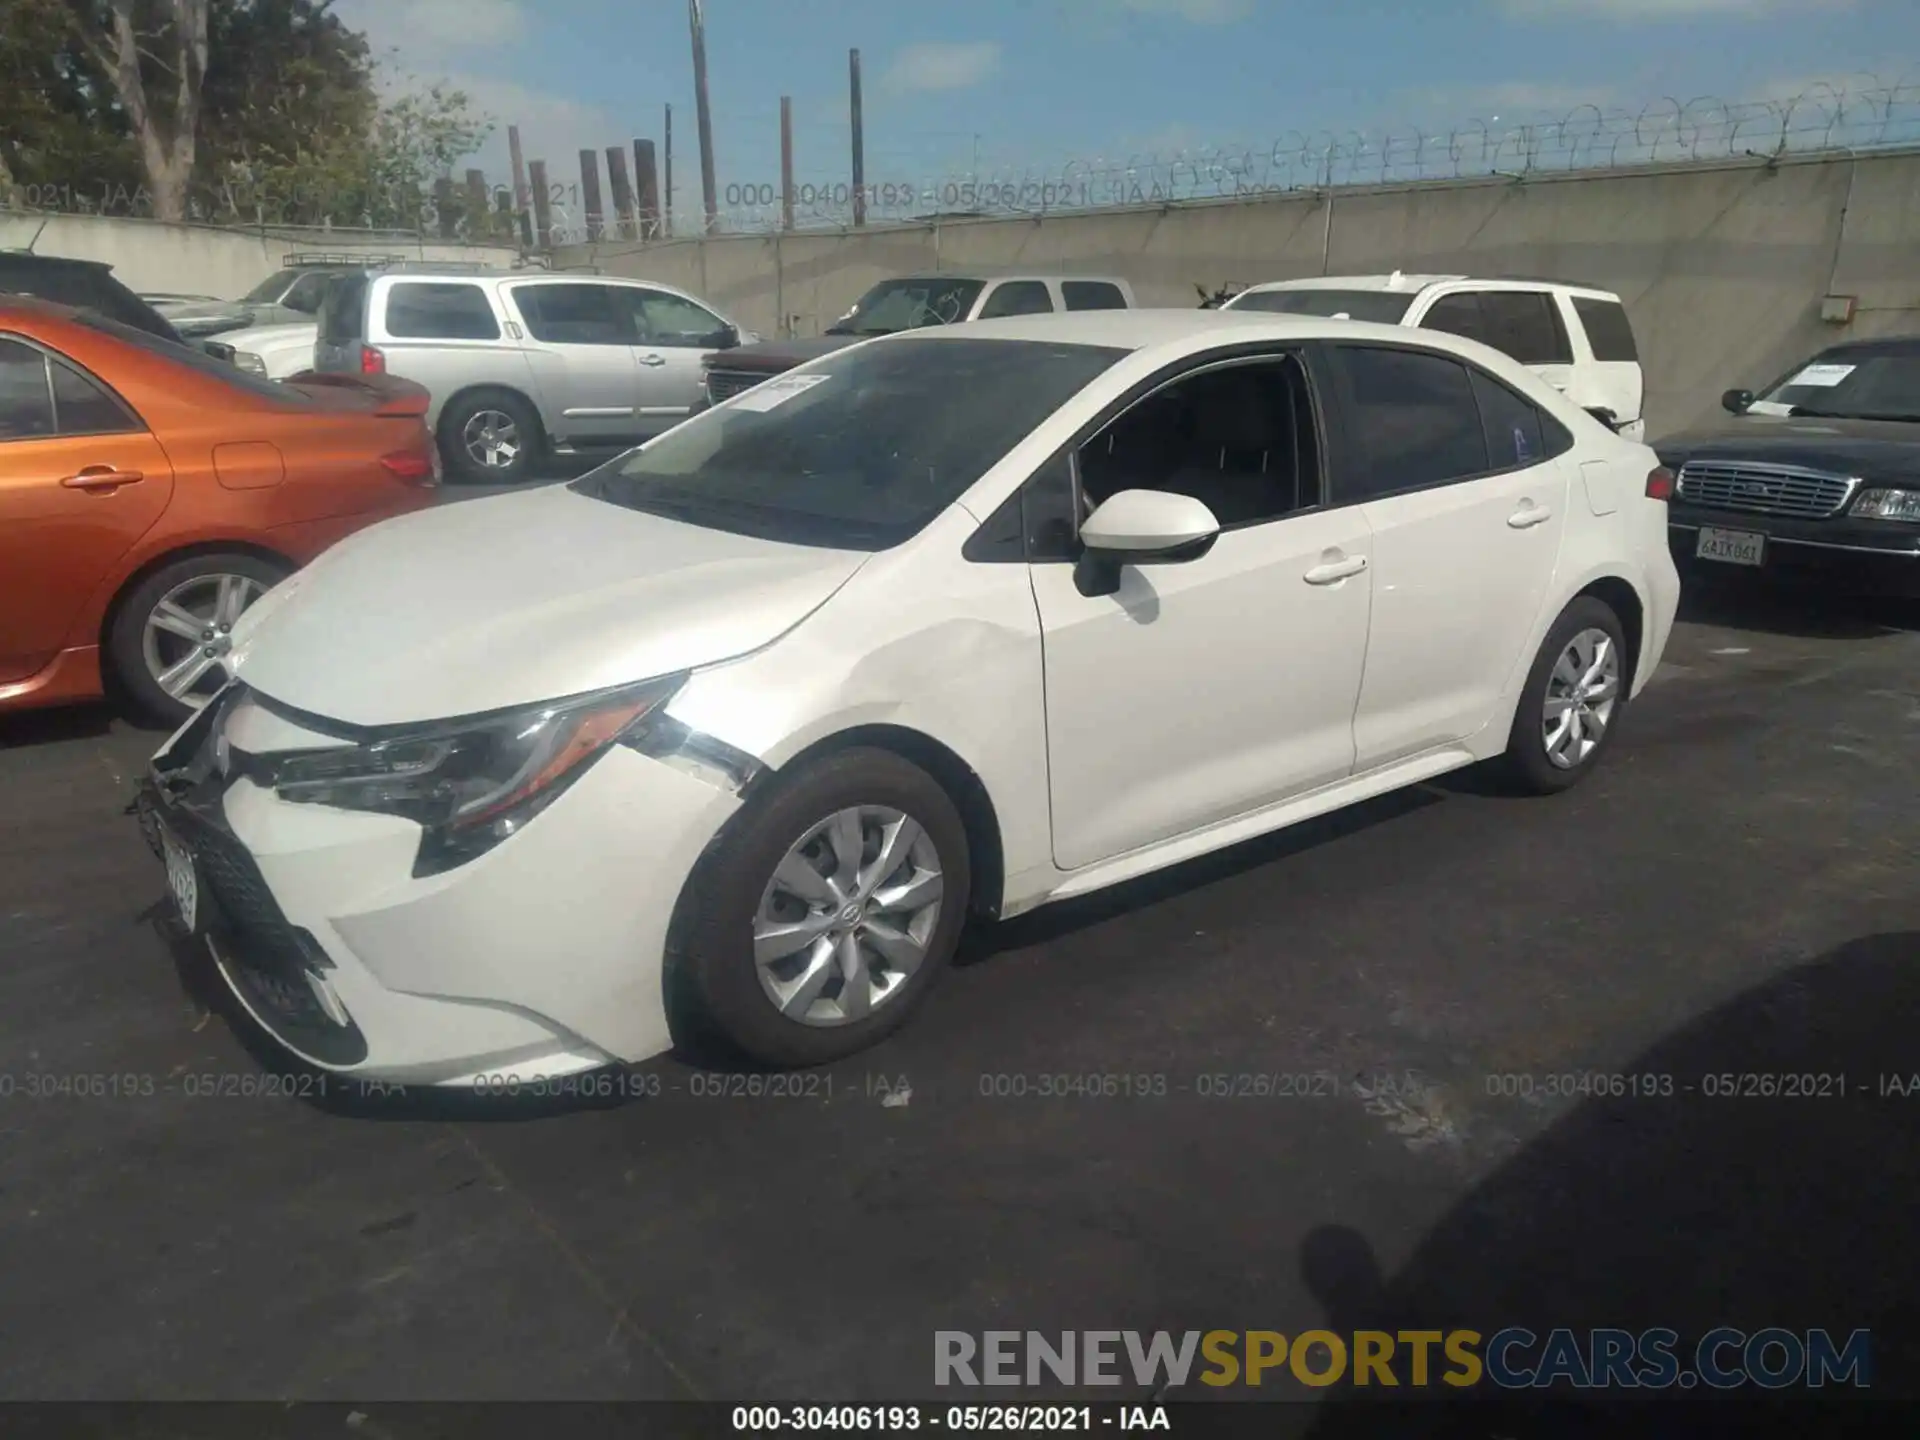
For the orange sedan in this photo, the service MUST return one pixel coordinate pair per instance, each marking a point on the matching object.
(149, 493)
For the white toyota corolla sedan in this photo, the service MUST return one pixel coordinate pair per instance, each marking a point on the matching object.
(747, 723)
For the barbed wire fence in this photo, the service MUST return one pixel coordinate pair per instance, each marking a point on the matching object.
(1864, 113)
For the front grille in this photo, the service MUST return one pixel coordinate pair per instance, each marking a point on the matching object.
(725, 384)
(1759, 489)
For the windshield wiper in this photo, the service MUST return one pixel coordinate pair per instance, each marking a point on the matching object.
(839, 330)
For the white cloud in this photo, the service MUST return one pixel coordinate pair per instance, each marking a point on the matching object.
(942, 66)
(552, 127)
(1200, 12)
(423, 29)
(1660, 9)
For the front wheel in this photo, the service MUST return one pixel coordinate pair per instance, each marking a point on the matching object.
(168, 646)
(829, 915)
(1573, 699)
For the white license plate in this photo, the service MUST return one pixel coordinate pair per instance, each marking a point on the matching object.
(1735, 547)
(182, 879)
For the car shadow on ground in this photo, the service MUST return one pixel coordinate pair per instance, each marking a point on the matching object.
(1738, 602)
(1712, 1206)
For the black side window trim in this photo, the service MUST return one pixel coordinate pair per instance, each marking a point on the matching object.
(48, 359)
(1556, 439)
(987, 544)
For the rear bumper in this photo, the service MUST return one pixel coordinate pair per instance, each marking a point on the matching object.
(1859, 557)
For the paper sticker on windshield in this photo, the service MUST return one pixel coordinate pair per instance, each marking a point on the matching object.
(1822, 375)
(777, 391)
(1770, 407)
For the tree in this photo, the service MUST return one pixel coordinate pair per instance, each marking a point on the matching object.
(155, 53)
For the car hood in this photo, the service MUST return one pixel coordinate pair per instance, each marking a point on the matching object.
(773, 356)
(1871, 449)
(256, 337)
(485, 604)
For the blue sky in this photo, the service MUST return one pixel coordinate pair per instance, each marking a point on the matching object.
(1032, 83)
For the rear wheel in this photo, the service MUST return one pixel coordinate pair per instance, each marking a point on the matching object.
(490, 437)
(168, 646)
(1572, 701)
(830, 914)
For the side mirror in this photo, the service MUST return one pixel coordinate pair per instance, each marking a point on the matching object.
(1737, 402)
(1141, 527)
(726, 338)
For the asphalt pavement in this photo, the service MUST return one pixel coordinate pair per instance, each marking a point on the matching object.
(1733, 893)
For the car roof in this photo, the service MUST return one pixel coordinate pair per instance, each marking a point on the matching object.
(1150, 329)
(994, 276)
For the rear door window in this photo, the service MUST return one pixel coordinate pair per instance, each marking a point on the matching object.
(1092, 295)
(1608, 332)
(578, 314)
(26, 400)
(1413, 419)
(307, 293)
(1018, 297)
(1526, 324)
(440, 310)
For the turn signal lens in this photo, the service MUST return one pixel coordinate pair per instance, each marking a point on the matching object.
(1660, 483)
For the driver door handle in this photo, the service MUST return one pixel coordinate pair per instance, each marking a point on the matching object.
(102, 479)
(1337, 571)
(653, 360)
(1528, 516)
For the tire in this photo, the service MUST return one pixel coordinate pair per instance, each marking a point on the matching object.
(1528, 762)
(485, 422)
(149, 635)
(734, 898)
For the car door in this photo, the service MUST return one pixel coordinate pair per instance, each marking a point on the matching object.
(580, 339)
(81, 480)
(1465, 493)
(675, 338)
(1206, 689)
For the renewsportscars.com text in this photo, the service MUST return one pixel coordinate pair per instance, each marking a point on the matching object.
(1509, 1359)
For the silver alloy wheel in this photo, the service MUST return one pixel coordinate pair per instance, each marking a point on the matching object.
(1582, 691)
(492, 439)
(848, 915)
(188, 634)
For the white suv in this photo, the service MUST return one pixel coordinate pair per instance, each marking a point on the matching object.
(1574, 337)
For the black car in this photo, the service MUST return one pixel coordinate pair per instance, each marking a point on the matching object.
(1817, 476)
(83, 284)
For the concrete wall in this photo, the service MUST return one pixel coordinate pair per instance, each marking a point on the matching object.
(203, 259)
(1722, 266)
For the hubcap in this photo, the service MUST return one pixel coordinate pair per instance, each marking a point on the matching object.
(1581, 693)
(492, 439)
(189, 633)
(848, 915)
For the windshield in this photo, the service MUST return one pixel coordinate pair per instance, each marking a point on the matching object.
(1849, 385)
(1382, 307)
(895, 305)
(269, 289)
(857, 451)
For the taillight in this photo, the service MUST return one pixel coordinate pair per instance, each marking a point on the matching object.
(372, 361)
(414, 465)
(1660, 483)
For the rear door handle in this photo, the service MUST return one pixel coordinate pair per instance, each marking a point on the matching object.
(1338, 570)
(102, 478)
(653, 360)
(1528, 516)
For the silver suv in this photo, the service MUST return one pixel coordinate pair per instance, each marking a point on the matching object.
(522, 363)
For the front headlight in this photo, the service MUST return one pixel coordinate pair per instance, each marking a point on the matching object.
(472, 783)
(1888, 505)
(251, 363)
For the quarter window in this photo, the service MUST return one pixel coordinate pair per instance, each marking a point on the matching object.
(425, 310)
(1092, 295)
(1412, 422)
(1514, 435)
(1018, 297)
(82, 407)
(26, 399)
